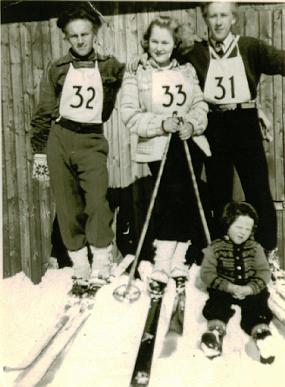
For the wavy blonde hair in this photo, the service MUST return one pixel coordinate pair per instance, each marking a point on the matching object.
(174, 27)
(205, 5)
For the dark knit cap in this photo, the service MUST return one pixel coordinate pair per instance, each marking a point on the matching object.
(233, 210)
(80, 10)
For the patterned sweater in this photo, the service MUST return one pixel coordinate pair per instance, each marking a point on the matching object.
(143, 123)
(225, 262)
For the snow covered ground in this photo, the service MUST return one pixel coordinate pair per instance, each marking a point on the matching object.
(102, 354)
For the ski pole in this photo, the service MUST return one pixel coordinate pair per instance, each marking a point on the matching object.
(146, 224)
(197, 194)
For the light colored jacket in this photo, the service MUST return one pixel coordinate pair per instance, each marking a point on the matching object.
(148, 139)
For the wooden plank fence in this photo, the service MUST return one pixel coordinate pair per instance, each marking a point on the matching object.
(28, 207)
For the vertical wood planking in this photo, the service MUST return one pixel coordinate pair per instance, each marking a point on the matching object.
(21, 162)
(28, 90)
(266, 95)
(6, 269)
(46, 43)
(202, 30)
(38, 193)
(107, 32)
(118, 41)
(56, 38)
(280, 211)
(281, 237)
(123, 134)
(12, 232)
(44, 187)
(278, 121)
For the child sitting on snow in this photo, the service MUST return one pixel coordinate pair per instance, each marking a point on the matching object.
(236, 271)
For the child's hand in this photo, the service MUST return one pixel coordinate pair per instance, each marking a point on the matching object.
(185, 131)
(241, 292)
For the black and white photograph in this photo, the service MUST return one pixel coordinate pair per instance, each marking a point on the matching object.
(143, 194)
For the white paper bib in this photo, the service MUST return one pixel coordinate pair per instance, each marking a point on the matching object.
(82, 95)
(170, 91)
(226, 80)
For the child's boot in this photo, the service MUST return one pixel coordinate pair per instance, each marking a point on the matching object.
(178, 267)
(212, 340)
(264, 341)
(101, 265)
(81, 270)
(162, 260)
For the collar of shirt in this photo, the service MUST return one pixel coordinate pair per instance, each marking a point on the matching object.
(225, 44)
(153, 64)
(69, 58)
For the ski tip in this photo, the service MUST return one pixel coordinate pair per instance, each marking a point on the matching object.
(11, 369)
(141, 379)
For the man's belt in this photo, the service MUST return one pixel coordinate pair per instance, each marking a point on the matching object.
(232, 106)
(81, 127)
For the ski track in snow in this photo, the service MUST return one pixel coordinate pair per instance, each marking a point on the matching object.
(103, 353)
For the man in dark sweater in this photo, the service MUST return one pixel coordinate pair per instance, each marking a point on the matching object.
(229, 69)
(78, 93)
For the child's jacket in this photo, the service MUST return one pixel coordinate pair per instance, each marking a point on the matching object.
(225, 262)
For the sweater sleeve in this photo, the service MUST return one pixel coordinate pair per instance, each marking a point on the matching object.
(262, 272)
(136, 119)
(209, 274)
(197, 114)
(112, 73)
(270, 59)
(45, 112)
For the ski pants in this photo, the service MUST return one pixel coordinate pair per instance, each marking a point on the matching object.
(254, 308)
(77, 165)
(235, 141)
(176, 211)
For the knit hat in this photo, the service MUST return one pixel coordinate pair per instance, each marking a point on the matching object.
(81, 10)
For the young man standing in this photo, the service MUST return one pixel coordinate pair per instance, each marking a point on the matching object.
(229, 69)
(78, 93)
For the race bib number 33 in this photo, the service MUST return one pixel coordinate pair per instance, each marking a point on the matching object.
(170, 92)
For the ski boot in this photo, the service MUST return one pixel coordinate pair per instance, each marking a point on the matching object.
(80, 287)
(81, 271)
(178, 267)
(162, 260)
(263, 339)
(212, 340)
(101, 266)
(156, 289)
(180, 284)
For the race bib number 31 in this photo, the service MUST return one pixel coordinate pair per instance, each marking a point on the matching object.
(226, 81)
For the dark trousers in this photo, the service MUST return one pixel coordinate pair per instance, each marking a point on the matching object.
(254, 309)
(235, 141)
(176, 211)
(79, 180)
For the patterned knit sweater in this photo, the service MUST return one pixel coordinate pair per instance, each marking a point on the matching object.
(137, 113)
(225, 262)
